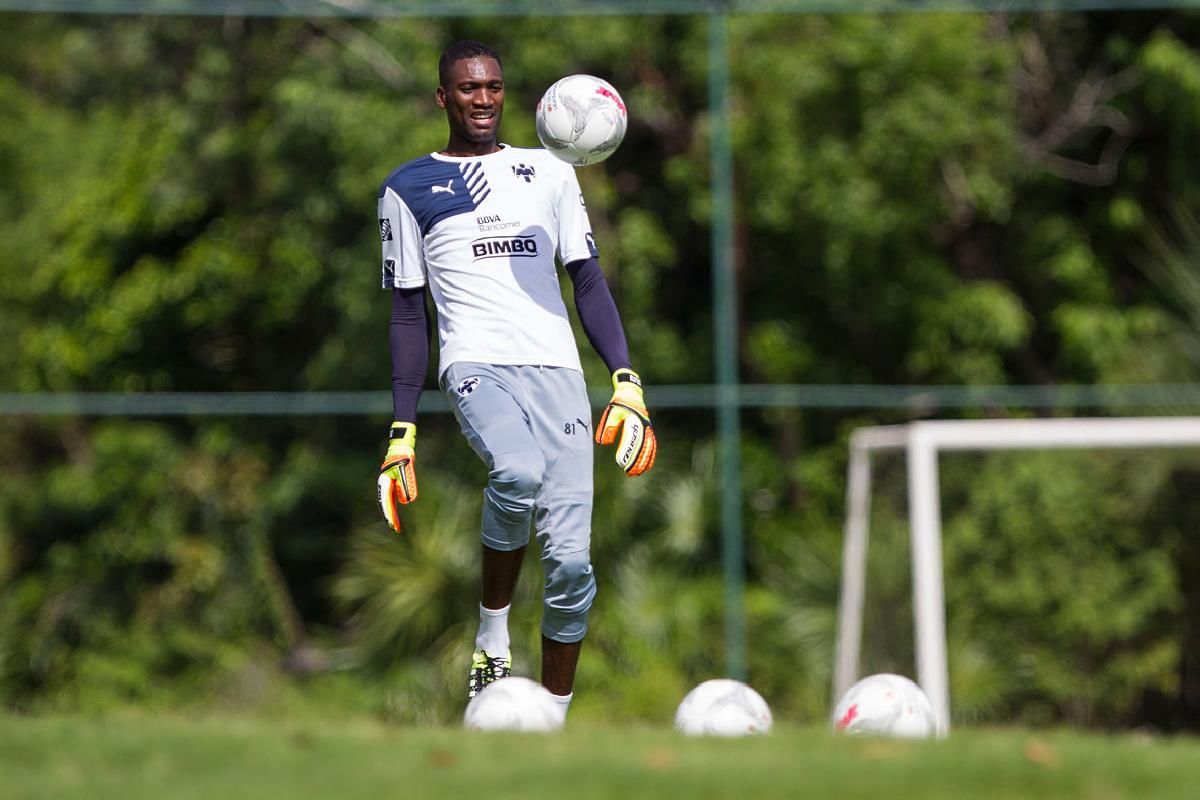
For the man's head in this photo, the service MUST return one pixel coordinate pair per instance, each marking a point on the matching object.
(471, 89)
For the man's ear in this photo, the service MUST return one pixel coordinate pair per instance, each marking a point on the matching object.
(440, 96)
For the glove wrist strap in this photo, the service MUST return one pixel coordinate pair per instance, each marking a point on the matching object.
(402, 437)
(625, 375)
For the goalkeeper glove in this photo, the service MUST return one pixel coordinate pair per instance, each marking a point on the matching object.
(398, 473)
(626, 421)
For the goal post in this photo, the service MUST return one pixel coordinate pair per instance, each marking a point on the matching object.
(922, 442)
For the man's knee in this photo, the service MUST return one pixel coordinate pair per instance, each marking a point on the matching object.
(515, 480)
(570, 590)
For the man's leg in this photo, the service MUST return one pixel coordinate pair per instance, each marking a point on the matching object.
(495, 426)
(507, 510)
(559, 660)
(501, 568)
(492, 659)
(562, 519)
(569, 591)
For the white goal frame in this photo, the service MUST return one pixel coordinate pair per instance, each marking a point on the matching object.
(922, 441)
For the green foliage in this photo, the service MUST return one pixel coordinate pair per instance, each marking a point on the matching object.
(1059, 548)
(965, 335)
(157, 572)
(187, 204)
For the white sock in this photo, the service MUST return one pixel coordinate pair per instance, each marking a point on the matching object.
(564, 702)
(493, 630)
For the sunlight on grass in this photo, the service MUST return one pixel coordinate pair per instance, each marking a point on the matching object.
(138, 756)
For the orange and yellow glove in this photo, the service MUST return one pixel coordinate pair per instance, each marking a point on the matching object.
(626, 421)
(398, 473)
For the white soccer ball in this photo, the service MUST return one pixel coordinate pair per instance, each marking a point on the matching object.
(513, 704)
(581, 119)
(723, 707)
(885, 705)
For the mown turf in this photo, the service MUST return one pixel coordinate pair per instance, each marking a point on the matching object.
(129, 757)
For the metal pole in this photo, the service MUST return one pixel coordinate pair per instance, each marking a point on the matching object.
(854, 568)
(725, 345)
(929, 608)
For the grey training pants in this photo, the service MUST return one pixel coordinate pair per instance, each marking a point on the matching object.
(532, 427)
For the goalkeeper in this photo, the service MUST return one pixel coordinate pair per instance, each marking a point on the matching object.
(478, 225)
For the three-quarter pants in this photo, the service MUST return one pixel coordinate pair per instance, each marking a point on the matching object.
(531, 425)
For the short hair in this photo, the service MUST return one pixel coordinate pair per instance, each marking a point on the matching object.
(466, 48)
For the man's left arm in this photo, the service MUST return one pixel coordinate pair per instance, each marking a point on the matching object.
(625, 419)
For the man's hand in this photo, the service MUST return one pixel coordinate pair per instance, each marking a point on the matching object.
(398, 473)
(626, 421)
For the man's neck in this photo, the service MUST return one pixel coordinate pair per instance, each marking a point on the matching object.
(464, 149)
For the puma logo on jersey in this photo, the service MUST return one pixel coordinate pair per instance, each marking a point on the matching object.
(447, 189)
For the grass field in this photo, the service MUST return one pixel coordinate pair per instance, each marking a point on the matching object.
(132, 757)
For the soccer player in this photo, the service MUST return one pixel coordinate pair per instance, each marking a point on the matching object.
(478, 224)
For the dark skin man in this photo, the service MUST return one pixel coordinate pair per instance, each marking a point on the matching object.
(472, 95)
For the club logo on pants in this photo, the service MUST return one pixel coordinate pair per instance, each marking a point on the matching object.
(466, 386)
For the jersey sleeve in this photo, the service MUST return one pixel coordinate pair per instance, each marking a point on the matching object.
(575, 240)
(403, 255)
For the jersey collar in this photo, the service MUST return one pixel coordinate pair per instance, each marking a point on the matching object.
(459, 159)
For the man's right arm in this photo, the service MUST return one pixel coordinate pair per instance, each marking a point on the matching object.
(408, 341)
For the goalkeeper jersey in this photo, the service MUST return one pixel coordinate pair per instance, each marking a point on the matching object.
(482, 232)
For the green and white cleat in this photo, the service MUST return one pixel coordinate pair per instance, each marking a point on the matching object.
(485, 669)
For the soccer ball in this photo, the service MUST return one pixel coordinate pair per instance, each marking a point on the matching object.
(581, 119)
(513, 704)
(885, 705)
(723, 707)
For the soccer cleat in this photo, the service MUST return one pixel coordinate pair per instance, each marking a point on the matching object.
(485, 669)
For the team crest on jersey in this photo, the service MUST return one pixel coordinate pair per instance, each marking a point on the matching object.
(385, 229)
(522, 171)
(466, 386)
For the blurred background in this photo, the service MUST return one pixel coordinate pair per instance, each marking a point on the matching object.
(984, 199)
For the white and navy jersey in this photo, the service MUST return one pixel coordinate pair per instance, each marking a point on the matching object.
(482, 232)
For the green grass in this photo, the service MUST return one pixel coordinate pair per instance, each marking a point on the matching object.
(129, 756)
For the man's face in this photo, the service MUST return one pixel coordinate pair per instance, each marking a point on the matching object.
(473, 97)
